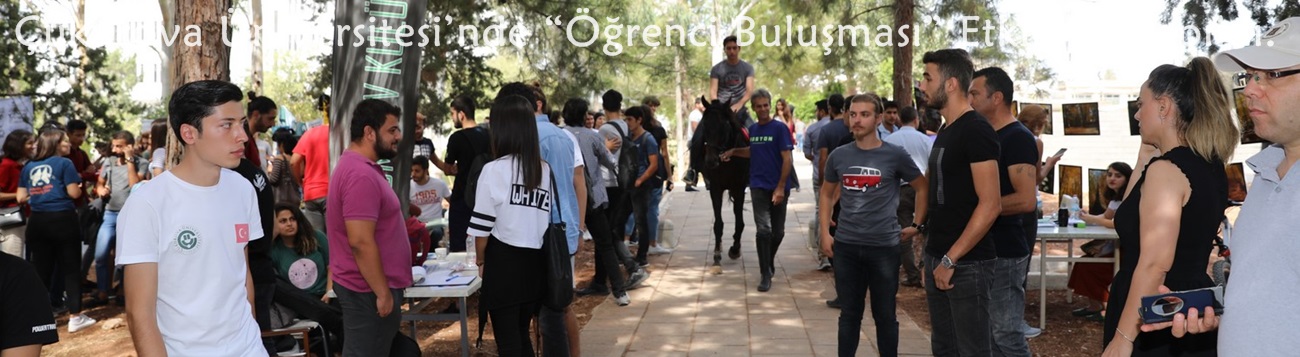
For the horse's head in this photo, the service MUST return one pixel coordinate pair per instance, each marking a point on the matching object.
(720, 126)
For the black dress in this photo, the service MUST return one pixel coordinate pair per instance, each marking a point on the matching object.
(1198, 226)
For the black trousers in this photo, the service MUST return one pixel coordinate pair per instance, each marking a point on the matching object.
(54, 240)
(510, 326)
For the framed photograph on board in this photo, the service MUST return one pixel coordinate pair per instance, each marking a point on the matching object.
(1243, 118)
(1236, 183)
(1133, 128)
(1071, 178)
(1096, 191)
(1081, 119)
(1049, 182)
(1047, 129)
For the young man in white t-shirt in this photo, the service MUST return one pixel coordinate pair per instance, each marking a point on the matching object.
(183, 236)
(429, 194)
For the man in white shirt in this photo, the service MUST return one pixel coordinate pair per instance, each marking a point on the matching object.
(428, 193)
(183, 236)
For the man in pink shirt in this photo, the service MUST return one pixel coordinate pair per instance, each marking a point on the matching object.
(370, 256)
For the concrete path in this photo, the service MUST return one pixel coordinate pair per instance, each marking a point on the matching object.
(682, 310)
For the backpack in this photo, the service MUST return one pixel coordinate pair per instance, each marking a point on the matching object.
(475, 169)
(625, 176)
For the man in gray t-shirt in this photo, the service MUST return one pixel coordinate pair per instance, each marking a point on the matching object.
(118, 175)
(732, 81)
(864, 176)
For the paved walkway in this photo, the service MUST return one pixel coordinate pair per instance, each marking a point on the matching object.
(685, 311)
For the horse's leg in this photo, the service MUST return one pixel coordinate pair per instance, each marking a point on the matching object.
(716, 197)
(737, 207)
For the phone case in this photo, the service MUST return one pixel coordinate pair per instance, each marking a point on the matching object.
(1163, 307)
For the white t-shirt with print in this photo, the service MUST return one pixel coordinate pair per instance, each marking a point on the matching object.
(197, 236)
(429, 197)
(507, 209)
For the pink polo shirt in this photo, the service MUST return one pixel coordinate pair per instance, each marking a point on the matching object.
(358, 191)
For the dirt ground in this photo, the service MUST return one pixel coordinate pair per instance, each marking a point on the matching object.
(1066, 335)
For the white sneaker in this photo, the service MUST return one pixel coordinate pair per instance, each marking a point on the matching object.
(622, 300)
(658, 250)
(76, 323)
(1030, 331)
(586, 236)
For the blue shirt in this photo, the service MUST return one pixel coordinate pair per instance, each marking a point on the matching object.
(766, 142)
(647, 145)
(47, 183)
(557, 150)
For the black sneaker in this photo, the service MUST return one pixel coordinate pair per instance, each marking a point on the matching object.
(834, 304)
(593, 290)
(635, 279)
(691, 189)
(765, 284)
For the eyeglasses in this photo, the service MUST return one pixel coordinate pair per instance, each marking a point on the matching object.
(1262, 77)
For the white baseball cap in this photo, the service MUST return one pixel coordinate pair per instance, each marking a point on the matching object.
(1279, 47)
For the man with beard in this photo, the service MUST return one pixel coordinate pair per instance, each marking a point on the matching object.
(467, 143)
(966, 199)
(370, 256)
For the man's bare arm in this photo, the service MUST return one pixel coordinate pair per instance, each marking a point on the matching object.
(985, 176)
(141, 288)
(1025, 198)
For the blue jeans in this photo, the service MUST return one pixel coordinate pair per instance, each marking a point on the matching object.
(959, 316)
(104, 241)
(860, 269)
(645, 211)
(1007, 306)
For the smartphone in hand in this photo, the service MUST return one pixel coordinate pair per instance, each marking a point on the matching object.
(1163, 307)
(1059, 152)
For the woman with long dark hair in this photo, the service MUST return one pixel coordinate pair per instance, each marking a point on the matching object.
(1092, 280)
(511, 213)
(1169, 220)
(18, 146)
(301, 255)
(49, 184)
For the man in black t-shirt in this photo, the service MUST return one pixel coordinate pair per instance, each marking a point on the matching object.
(991, 93)
(462, 147)
(963, 203)
(260, 265)
(26, 321)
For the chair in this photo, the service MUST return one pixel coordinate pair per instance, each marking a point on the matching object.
(300, 329)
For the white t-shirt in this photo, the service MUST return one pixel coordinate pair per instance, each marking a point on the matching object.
(159, 159)
(429, 198)
(577, 150)
(197, 236)
(264, 149)
(507, 210)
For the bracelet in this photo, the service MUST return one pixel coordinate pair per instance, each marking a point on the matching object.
(1126, 338)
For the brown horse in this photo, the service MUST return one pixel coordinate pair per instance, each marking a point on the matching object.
(722, 132)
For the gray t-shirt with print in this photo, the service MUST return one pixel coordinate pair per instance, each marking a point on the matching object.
(731, 80)
(119, 184)
(869, 184)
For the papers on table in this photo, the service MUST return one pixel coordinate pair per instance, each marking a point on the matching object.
(443, 277)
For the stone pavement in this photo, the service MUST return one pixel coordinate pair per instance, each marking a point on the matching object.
(682, 310)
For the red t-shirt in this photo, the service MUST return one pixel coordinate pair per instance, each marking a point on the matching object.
(314, 146)
(9, 171)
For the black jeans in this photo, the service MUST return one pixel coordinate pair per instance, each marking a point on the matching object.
(54, 240)
(555, 334)
(620, 206)
(960, 316)
(311, 307)
(510, 326)
(906, 214)
(860, 269)
(457, 225)
(262, 296)
(770, 220)
(368, 334)
(641, 212)
(606, 260)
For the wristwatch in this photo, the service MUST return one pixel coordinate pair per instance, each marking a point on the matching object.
(919, 227)
(947, 262)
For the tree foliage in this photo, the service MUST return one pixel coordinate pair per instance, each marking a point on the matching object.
(1198, 14)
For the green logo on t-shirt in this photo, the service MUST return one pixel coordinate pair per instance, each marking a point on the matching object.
(187, 239)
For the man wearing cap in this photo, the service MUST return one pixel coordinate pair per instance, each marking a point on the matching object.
(1264, 280)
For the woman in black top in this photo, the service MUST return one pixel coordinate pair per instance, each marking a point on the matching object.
(1169, 219)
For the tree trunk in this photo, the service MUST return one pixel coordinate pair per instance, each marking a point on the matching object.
(209, 60)
(168, 9)
(681, 128)
(903, 15)
(256, 34)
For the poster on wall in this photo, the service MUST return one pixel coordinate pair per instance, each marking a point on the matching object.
(1071, 178)
(1243, 118)
(1133, 127)
(1096, 191)
(1047, 129)
(1081, 119)
(16, 113)
(1049, 182)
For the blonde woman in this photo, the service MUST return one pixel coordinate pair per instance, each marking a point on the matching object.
(1171, 214)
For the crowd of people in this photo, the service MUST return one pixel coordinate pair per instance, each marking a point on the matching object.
(953, 210)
